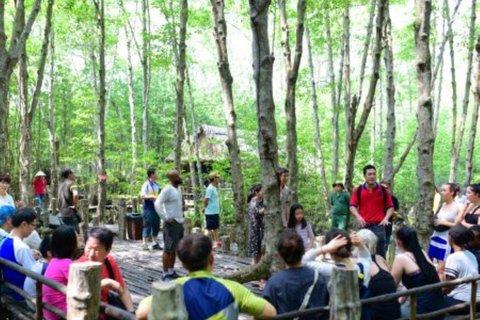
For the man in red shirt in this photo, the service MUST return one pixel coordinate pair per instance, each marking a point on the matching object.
(40, 188)
(97, 249)
(372, 205)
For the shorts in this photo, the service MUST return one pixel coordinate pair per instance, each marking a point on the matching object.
(212, 221)
(439, 248)
(151, 223)
(172, 234)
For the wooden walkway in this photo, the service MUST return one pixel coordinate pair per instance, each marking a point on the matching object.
(140, 268)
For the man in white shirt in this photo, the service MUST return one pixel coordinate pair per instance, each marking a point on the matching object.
(170, 206)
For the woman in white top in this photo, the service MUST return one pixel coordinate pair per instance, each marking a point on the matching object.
(445, 218)
(5, 198)
(339, 246)
(460, 264)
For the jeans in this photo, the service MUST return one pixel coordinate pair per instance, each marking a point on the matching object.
(379, 231)
(40, 202)
(151, 223)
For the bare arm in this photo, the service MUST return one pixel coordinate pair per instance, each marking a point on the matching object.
(397, 269)
(268, 312)
(447, 290)
(126, 298)
(75, 198)
(205, 202)
(143, 309)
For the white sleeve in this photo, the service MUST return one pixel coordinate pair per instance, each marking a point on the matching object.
(143, 192)
(30, 285)
(323, 268)
(159, 204)
(310, 255)
(452, 266)
(24, 256)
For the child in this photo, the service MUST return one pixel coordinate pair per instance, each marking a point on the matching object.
(297, 221)
(40, 267)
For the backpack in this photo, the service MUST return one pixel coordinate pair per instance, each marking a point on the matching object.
(384, 193)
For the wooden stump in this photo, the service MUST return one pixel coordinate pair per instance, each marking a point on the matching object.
(225, 243)
(83, 292)
(45, 218)
(231, 232)
(344, 295)
(187, 227)
(83, 211)
(54, 204)
(167, 302)
(135, 205)
(122, 215)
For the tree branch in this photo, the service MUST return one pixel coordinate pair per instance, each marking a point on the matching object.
(405, 154)
(287, 55)
(3, 36)
(15, 49)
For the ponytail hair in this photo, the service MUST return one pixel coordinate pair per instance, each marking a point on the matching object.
(409, 239)
(251, 193)
(344, 251)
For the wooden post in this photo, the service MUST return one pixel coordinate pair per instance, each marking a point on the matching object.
(187, 227)
(413, 306)
(473, 300)
(45, 218)
(135, 205)
(225, 243)
(39, 302)
(83, 211)
(167, 302)
(39, 220)
(344, 295)
(54, 204)
(83, 291)
(231, 233)
(122, 215)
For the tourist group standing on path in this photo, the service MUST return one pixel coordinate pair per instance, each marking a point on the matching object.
(454, 251)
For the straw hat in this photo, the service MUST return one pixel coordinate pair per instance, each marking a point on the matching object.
(40, 174)
(214, 175)
(338, 183)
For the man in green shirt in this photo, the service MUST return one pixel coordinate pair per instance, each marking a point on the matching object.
(340, 200)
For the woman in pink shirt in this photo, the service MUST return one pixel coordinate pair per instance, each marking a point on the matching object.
(64, 244)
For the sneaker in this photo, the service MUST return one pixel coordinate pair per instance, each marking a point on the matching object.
(145, 247)
(175, 275)
(156, 246)
(166, 277)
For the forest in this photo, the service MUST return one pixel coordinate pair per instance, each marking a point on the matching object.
(110, 88)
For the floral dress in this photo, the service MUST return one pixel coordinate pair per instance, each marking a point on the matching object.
(255, 227)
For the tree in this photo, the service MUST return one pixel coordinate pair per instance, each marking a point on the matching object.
(27, 110)
(54, 143)
(291, 69)
(9, 58)
(318, 144)
(226, 79)
(425, 145)
(102, 187)
(473, 128)
(267, 139)
(466, 99)
(353, 132)
(146, 69)
(131, 102)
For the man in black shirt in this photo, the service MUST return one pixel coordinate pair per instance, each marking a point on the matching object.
(288, 290)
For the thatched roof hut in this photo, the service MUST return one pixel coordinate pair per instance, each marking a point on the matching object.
(212, 145)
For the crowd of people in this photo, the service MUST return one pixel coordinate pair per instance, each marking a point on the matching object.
(454, 250)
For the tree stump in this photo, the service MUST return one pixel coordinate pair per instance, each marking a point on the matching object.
(122, 214)
(83, 211)
(83, 291)
(231, 232)
(344, 295)
(187, 227)
(225, 243)
(167, 302)
(135, 205)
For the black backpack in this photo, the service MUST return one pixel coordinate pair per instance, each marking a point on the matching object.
(384, 193)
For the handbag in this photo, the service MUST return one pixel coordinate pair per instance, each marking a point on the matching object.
(435, 217)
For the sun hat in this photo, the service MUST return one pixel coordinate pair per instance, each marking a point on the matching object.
(338, 183)
(40, 174)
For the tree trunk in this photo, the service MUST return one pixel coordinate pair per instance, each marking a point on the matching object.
(389, 67)
(226, 79)
(180, 65)
(473, 128)
(439, 98)
(466, 97)
(335, 107)
(453, 171)
(349, 116)
(380, 109)
(318, 144)
(102, 187)
(267, 139)
(198, 173)
(131, 101)
(146, 69)
(355, 132)
(9, 58)
(366, 49)
(51, 123)
(291, 81)
(425, 145)
(27, 111)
